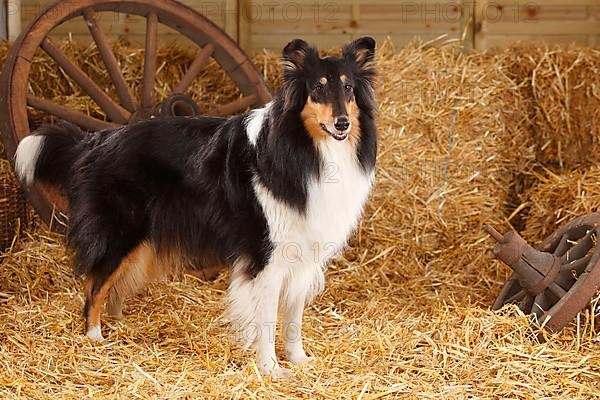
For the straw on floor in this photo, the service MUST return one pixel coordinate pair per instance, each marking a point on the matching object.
(405, 313)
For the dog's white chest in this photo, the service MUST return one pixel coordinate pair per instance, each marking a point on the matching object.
(336, 199)
(335, 202)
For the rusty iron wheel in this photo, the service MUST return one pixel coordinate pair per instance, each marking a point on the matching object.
(555, 280)
(50, 203)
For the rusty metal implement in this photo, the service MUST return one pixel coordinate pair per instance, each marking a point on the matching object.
(554, 281)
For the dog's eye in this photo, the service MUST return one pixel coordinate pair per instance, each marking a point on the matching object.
(319, 88)
(348, 88)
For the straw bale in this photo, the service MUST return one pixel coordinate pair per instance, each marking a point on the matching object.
(561, 87)
(561, 197)
(445, 166)
(405, 312)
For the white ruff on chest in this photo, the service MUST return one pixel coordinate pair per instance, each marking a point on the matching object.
(305, 242)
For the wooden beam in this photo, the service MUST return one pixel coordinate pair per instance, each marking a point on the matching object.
(231, 18)
(13, 19)
(3, 20)
(541, 3)
(541, 28)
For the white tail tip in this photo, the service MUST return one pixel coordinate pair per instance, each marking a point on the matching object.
(26, 157)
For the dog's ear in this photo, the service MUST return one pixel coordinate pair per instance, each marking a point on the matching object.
(361, 51)
(295, 53)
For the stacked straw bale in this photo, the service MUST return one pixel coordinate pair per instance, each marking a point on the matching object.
(562, 88)
(445, 169)
(559, 198)
(560, 92)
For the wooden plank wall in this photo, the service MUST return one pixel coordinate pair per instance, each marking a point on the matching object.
(501, 22)
(259, 24)
(131, 27)
(269, 24)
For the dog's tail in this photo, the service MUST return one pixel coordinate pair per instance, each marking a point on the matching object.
(49, 154)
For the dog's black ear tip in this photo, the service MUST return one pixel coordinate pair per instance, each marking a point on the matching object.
(295, 45)
(361, 50)
(295, 54)
(367, 42)
(360, 47)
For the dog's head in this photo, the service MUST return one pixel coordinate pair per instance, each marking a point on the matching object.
(330, 92)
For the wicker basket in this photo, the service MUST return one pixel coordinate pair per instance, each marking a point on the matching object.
(14, 215)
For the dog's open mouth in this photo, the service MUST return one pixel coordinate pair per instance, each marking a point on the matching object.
(337, 135)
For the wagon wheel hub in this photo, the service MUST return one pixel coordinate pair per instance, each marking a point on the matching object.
(556, 280)
(175, 105)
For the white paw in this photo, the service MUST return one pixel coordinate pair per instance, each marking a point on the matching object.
(95, 333)
(300, 359)
(281, 373)
(271, 367)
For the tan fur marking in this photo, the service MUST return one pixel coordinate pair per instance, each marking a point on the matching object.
(92, 317)
(313, 114)
(140, 267)
(344, 78)
(134, 272)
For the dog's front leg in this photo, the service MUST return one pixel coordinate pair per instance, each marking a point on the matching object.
(292, 331)
(268, 285)
(254, 303)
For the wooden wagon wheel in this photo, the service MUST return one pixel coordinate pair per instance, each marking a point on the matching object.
(14, 95)
(557, 279)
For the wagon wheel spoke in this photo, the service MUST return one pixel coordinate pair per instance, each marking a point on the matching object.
(580, 249)
(76, 117)
(233, 107)
(563, 245)
(557, 290)
(113, 110)
(147, 91)
(577, 265)
(540, 304)
(515, 297)
(195, 68)
(109, 59)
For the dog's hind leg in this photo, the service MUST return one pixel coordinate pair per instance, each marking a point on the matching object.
(138, 269)
(131, 274)
(95, 294)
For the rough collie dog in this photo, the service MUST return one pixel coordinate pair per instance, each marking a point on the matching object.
(274, 193)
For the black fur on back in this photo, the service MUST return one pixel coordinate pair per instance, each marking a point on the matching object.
(182, 183)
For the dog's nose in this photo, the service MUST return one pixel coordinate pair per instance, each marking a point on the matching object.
(341, 123)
